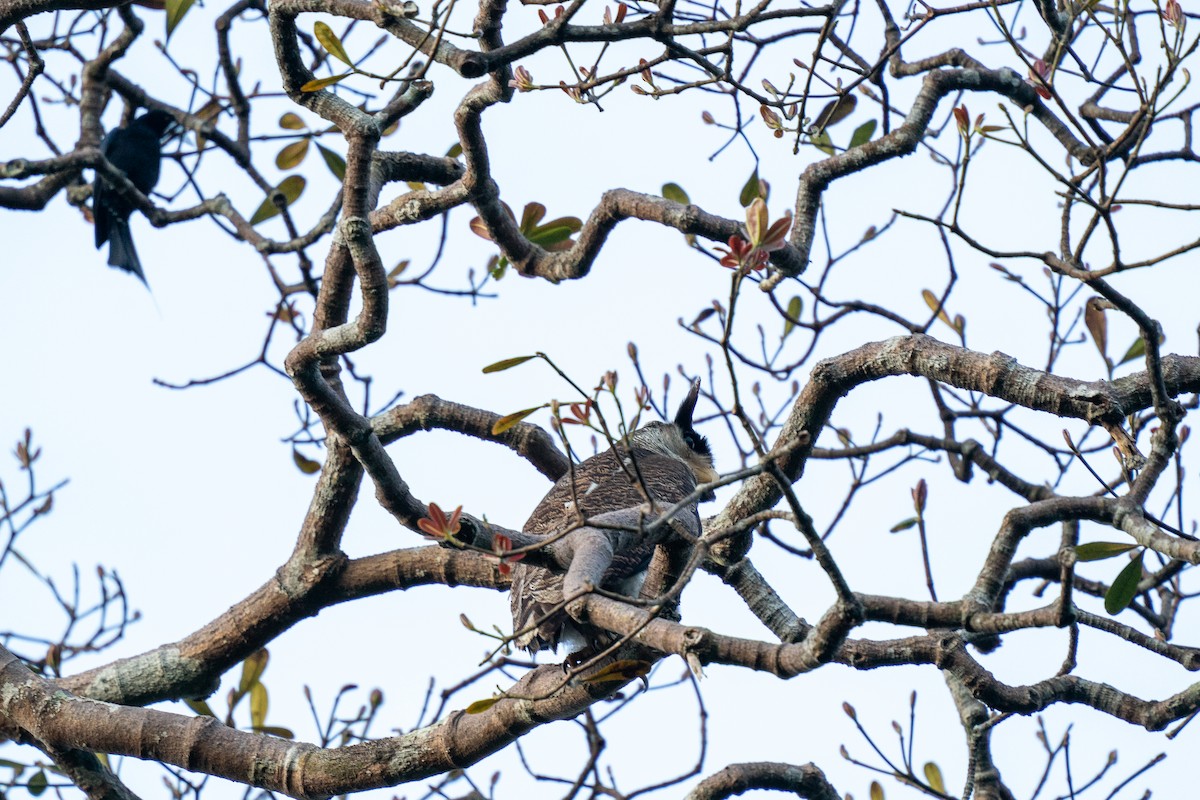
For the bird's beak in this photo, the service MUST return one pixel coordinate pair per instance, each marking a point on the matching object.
(683, 417)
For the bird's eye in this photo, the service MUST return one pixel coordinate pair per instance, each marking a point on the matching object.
(690, 441)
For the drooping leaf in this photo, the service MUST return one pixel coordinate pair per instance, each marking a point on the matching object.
(675, 193)
(903, 525)
(479, 706)
(509, 420)
(1097, 324)
(933, 776)
(835, 111)
(176, 9)
(332, 43)
(200, 707)
(275, 730)
(305, 465)
(751, 190)
(1136, 350)
(290, 188)
(258, 705)
(291, 122)
(507, 363)
(1124, 588)
(794, 307)
(935, 305)
(622, 670)
(823, 143)
(1098, 551)
(876, 791)
(317, 84)
(863, 133)
(293, 155)
(37, 784)
(336, 164)
(252, 669)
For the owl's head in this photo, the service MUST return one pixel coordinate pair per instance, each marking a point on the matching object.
(679, 440)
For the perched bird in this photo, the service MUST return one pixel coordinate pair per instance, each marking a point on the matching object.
(667, 459)
(136, 150)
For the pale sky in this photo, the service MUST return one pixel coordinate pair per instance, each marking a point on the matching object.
(193, 498)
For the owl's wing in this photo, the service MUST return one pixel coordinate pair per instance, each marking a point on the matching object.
(599, 485)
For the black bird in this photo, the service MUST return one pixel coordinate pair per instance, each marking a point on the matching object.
(136, 150)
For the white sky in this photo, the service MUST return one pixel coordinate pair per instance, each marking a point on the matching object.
(192, 497)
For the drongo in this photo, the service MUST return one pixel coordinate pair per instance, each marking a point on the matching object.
(136, 150)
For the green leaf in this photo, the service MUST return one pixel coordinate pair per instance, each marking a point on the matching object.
(823, 143)
(573, 224)
(176, 9)
(550, 235)
(305, 465)
(1124, 588)
(258, 705)
(751, 190)
(275, 730)
(199, 706)
(1136, 350)
(675, 193)
(331, 42)
(863, 133)
(336, 164)
(291, 122)
(835, 111)
(291, 188)
(479, 706)
(497, 266)
(876, 791)
(507, 363)
(317, 84)
(622, 670)
(252, 669)
(794, 307)
(903, 525)
(933, 775)
(293, 155)
(455, 150)
(509, 420)
(935, 305)
(1098, 551)
(38, 783)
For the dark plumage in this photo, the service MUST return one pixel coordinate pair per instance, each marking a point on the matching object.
(671, 458)
(136, 150)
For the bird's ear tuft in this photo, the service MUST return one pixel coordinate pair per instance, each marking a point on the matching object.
(683, 417)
